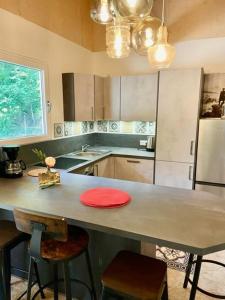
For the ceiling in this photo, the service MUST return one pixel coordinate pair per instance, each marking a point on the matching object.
(186, 19)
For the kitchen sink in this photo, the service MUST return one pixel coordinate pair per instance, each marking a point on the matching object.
(88, 153)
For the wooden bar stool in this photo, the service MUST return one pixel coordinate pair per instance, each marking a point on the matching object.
(134, 276)
(55, 242)
(10, 237)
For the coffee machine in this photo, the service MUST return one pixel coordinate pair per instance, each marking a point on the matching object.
(10, 167)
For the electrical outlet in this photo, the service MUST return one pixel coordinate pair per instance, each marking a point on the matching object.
(143, 142)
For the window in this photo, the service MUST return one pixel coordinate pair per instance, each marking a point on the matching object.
(21, 101)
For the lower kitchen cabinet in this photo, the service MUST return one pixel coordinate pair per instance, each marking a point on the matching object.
(104, 168)
(215, 190)
(174, 174)
(140, 170)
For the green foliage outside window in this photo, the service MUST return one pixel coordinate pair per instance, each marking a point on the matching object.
(21, 111)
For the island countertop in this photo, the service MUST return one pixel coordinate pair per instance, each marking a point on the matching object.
(191, 221)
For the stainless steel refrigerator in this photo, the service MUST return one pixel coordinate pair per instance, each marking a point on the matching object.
(210, 173)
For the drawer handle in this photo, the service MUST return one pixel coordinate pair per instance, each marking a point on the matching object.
(190, 173)
(133, 161)
(192, 148)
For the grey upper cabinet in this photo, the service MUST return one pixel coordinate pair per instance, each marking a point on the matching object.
(112, 98)
(78, 97)
(178, 111)
(139, 97)
(99, 98)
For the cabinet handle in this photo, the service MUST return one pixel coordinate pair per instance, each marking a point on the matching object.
(96, 167)
(192, 148)
(92, 113)
(190, 173)
(133, 161)
(103, 112)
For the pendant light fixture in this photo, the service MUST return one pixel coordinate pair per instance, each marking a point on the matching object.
(144, 34)
(118, 39)
(161, 55)
(102, 11)
(133, 10)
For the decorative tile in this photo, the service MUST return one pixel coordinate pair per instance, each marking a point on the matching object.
(91, 126)
(84, 127)
(58, 130)
(126, 127)
(77, 128)
(114, 126)
(68, 128)
(102, 126)
(175, 259)
(151, 128)
(141, 127)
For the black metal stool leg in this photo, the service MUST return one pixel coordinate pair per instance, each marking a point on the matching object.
(188, 270)
(55, 279)
(67, 283)
(91, 275)
(38, 279)
(5, 276)
(30, 278)
(196, 277)
(165, 295)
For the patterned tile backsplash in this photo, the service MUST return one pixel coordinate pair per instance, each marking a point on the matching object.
(77, 128)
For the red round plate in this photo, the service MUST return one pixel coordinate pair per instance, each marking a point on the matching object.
(105, 197)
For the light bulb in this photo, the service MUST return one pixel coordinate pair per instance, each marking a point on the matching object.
(148, 42)
(118, 40)
(144, 34)
(102, 11)
(161, 55)
(132, 3)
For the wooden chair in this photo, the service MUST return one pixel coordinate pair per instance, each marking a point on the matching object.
(55, 242)
(134, 276)
(10, 237)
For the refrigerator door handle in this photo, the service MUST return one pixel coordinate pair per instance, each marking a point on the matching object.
(190, 173)
(192, 148)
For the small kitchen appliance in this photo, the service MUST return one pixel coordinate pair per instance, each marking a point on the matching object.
(150, 146)
(10, 166)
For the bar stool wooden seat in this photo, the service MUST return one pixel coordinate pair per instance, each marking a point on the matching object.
(54, 242)
(10, 237)
(134, 276)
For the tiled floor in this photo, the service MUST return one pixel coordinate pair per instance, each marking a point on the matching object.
(212, 278)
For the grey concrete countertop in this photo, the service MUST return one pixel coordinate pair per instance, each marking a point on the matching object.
(187, 220)
(115, 151)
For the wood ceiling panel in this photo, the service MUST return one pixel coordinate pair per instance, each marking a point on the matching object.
(186, 19)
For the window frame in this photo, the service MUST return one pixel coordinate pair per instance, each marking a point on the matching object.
(42, 66)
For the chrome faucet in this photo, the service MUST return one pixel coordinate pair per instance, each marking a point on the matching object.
(84, 147)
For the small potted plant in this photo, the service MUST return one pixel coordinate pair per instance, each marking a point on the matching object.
(50, 177)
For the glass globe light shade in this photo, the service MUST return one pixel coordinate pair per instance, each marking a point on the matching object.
(102, 11)
(133, 10)
(161, 55)
(144, 34)
(118, 40)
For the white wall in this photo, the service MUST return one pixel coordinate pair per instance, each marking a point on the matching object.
(24, 38)
(206, 53)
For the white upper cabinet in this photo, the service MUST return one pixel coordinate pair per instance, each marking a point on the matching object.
(178, 111)
(139, 97)
(112, 98)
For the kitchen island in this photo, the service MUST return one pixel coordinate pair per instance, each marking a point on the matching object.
(181, 219)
